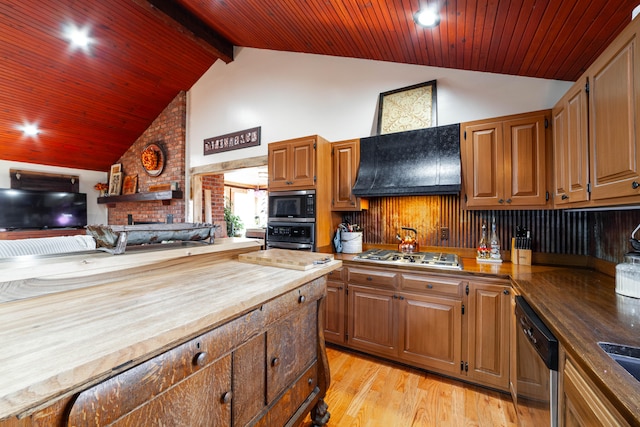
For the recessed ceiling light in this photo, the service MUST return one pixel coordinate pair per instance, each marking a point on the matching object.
(427, 18)
(79, 37)
(29, 129)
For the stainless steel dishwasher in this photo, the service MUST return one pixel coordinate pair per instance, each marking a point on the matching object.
(537, 369)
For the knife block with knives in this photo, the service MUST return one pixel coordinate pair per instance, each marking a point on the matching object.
(521, 247)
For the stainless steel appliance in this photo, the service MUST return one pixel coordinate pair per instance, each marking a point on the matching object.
(419, 259)
(291, 235)
(292, 206)
(537, 369)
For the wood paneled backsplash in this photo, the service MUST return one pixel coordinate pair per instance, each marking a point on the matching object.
(604, 235)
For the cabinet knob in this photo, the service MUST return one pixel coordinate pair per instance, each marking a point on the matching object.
(506, 292)
(200, 359)
(429, 286)
(635, 185)
(275, 361)
(564, 197)
(226, 397)
(301, 299)
(501, 201)
(369, 278)
(310, 381)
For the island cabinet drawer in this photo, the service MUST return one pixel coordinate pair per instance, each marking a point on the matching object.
(432, 284)
(305, 295)
(372, 277)
(181, 384)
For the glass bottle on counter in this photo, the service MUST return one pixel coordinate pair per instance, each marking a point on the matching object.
(483, 250)
(495, 243)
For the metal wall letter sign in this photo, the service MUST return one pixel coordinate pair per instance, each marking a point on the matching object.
(232, 141)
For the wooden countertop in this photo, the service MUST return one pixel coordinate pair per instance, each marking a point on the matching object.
(119, 311)
(581, 308)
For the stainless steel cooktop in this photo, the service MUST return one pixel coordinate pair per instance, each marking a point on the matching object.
(418, 259)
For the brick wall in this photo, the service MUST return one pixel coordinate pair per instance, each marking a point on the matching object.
(169, 130)
(215, 183)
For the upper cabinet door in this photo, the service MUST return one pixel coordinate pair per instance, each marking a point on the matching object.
(504, 161)
(483, 163)
(525, 161)
(570, 154)
(614, 101)
(346, 159)
(292, 164)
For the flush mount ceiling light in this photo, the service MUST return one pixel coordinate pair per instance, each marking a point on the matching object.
(29, 129)
(79, 37)
(427, 17)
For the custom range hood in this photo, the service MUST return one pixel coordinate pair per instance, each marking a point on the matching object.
(417, 162)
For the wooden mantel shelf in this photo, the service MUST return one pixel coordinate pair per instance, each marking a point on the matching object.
(164, 196)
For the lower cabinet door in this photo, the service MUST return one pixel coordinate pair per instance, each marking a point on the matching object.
(334, 316)
(249, 381)
(373, 326)
(291, 349)
(431, 332)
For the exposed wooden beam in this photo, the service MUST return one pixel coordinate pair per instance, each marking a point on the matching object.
(181, 19)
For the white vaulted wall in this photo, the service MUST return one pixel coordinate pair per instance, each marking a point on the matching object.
(293, 94)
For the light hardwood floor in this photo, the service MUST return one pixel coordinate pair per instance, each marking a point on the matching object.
(369, 392)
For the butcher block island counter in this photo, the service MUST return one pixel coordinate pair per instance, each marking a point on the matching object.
(191, 336)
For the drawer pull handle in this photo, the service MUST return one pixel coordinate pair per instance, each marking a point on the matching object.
(200, 359)
(226, 398)
(275, 361)
(301, 299)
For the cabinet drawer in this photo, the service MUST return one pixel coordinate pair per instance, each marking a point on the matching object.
(370, 277)
(432, 284)
(302, 390)
(336, 275)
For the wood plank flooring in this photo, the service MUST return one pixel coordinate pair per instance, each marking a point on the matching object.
(368, 392)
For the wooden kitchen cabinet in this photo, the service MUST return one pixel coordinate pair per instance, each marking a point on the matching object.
(335, 315)
(597, 158)
(570, 148)
(430, 332)
(580, 403)
(614, 118)
(489, 334)
(373, 323)
(266, 367)
(345, 161)
(504, 161)
(295, 164)
(441, 322)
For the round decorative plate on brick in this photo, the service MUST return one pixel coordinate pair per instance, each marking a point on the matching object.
(153, 159)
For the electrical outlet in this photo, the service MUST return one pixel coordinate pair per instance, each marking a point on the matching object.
(444, 233)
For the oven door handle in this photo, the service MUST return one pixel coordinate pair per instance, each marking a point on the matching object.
(288, 245)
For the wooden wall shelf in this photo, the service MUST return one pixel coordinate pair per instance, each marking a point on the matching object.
(164, 196)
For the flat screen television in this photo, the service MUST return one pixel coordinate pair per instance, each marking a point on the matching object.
(27, 209)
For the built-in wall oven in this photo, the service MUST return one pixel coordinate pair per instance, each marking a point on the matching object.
(537, 369)
(292, 235)
(292, 220)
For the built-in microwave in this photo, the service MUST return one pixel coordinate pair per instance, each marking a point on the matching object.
(292, 206)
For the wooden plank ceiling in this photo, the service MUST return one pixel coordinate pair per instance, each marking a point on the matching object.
(91, 106)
